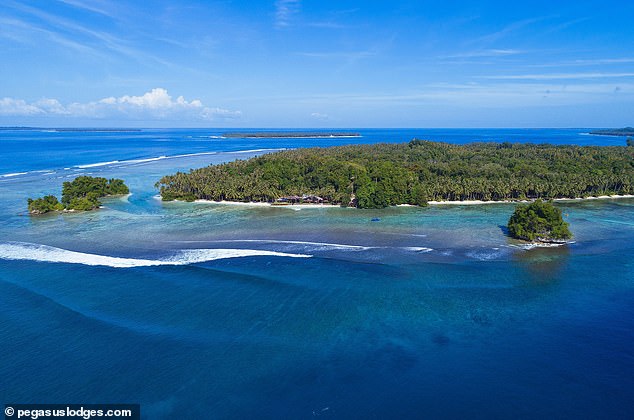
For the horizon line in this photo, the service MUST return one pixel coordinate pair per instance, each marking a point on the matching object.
(132, 128)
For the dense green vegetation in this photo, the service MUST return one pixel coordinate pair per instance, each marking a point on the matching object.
(381, 175)
(630, 142)
(44, 205)
(538, 221)
(627, 131)
(82, 193)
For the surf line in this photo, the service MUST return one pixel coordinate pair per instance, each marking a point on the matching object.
(45, 253)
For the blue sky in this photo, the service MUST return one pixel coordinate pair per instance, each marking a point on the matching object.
(299, 63)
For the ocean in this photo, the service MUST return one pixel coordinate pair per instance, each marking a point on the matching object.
(204, 310)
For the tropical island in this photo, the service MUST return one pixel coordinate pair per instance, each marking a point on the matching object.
(381, 175)
(83, 193)
(539, 222)
(627, 131)
(291, 134)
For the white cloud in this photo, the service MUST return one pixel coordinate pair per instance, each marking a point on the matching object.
(51, 106)
(15, 107)
(284, 12)
(219, 113)
(509, 29)
(486, 53)
(506, 95)
(320, 116)
(339, 55)
(587, 62)
(560, 76)
(156, 104)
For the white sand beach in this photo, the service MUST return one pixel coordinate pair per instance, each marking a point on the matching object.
(478, 202)
(431, 203)
(263, 204)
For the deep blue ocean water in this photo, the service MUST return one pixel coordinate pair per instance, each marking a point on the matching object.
(426, 313)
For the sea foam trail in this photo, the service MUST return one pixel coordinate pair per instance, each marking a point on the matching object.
(44, 253)
(320, 246)
(129, 162)
(95, 165)
(13, 174)
(314, 244)
(329, 246)
(421, 249)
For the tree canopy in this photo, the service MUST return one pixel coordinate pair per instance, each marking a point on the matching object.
(381, 175)
(82, 193)
(44, 205)
(538, 221)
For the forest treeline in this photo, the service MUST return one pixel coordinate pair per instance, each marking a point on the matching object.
(627, 131)
(380, 175)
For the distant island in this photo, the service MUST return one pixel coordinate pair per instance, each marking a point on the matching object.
(539, 222)
(72, 129)
(381, 175)
(627, 131)
(291, 134)
(83, 193)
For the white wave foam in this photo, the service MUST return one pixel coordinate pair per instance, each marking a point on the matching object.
(144, 160)
(532, 245)
(191, 154)
(94, 165)
(321, 245)
(317, 246)
(192, 256)
(45, 172)
(486, 254)
(153, 159)
(421, 249)
(221, 152)
(81, 168)
(255, 150)
(13, 174)
(44, 253)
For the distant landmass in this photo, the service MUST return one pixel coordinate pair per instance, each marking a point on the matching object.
(73, 129)
(291, 134)
(627, 131)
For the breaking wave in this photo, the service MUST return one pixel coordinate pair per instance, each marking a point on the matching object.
(129, 162)
(318, 246)
(13, 174)
(322, 246)
(45, 253)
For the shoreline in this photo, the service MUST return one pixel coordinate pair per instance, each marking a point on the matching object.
(430, 203)
(478, 202)
(527, 246)
(264, 204)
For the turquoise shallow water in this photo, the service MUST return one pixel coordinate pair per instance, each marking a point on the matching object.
(428, 312)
